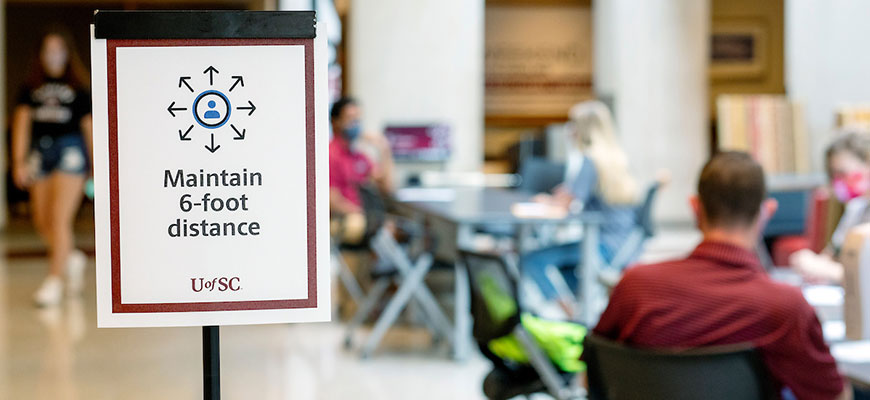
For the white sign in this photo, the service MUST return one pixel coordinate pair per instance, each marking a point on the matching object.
(211, 181)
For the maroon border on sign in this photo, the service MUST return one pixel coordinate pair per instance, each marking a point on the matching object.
(114, 199)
